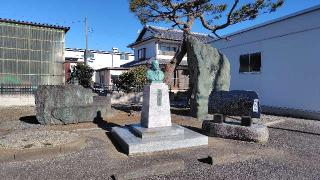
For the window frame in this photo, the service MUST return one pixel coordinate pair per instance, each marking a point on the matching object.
(165, 49)
(250, 65)
(143, 53)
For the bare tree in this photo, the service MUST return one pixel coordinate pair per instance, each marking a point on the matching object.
(183, 13)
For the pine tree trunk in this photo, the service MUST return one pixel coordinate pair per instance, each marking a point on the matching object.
(172, 65)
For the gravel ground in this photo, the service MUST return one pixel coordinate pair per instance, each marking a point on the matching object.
(36, 139)
(293, 152)
(15, 113)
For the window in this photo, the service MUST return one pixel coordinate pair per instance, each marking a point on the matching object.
(142, 54)
(124, 56)
(167, 50)
(250, 62)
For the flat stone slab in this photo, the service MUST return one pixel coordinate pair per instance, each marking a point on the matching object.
(256, 133)
(160, 132)
(132, 144)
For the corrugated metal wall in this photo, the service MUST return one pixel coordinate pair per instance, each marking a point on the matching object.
(31, 54)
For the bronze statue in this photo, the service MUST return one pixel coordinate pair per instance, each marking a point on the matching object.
(155, 75)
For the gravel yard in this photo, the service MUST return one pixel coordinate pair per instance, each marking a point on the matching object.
(36, 139)
(293, 152)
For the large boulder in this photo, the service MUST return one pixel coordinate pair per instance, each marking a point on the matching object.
(66, 104)
(209, 70)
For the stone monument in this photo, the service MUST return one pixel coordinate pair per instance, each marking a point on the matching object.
(155, 132)
(155, 100)
(209, 70)
(68, 104)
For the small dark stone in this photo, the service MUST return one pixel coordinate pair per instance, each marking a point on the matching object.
(218, 118)
(207, 160)
(246, 121)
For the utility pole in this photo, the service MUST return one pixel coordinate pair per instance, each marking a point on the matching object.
(86, 51)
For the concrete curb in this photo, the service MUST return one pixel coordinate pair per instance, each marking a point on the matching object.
(7, 155)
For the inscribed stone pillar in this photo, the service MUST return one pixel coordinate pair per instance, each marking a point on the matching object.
(156, 106)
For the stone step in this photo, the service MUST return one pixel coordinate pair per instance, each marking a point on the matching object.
(160, 132)
(131, 144)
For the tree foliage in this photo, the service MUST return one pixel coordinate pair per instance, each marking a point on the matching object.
(83, 73)
(132, 80)
(183, 13)
(210, 13)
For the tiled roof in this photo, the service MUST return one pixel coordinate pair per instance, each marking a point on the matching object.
(169, 34)
(34, 24)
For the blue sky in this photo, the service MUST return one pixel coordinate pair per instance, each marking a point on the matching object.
(112, 23)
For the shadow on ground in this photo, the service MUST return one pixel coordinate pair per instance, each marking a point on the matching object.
(29, 119)
(127, 108)
(101, 123)
(198, 130)
(107, 126)
(294, 130)
(180, 111)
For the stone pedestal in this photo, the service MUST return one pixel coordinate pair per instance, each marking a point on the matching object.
(156, 132)
(230, 130)
(156, 106)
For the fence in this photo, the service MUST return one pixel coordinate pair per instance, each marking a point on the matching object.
(11, 89)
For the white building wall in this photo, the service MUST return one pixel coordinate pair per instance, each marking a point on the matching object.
(101, 60)
(74, 54)
(289, 74)
(160, 56)
(150, 49)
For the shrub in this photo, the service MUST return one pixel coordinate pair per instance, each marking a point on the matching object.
(83, 73)
(132, 80)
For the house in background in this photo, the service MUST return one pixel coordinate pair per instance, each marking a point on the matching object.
(105, 63)
(31, 53)
(279, 60)
(161, 44)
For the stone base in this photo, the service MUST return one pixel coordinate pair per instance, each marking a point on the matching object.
(256, 133)
(161, 132)
(135, 139)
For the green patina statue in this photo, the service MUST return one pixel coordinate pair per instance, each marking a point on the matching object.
(155, 75)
